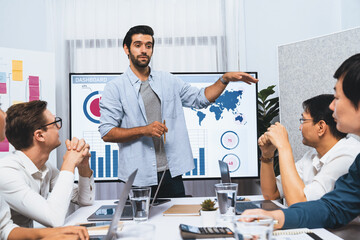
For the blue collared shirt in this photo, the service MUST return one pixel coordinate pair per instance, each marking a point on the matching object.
(122, 106)
(334, 209)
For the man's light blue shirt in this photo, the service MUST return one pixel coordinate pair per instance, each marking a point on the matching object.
(122, 106)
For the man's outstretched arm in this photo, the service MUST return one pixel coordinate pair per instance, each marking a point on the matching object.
(213, 91)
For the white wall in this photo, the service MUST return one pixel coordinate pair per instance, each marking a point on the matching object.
(269, 24)
(24, 25)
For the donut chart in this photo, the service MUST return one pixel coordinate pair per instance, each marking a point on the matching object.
(91, 107)
(233, 161)
(229, 140)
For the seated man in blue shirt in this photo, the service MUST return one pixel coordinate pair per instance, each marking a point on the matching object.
(142, 104)
(341, 205)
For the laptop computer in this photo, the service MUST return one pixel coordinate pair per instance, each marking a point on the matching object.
(106, 212)
(241, 206)
(224, 172)
(111, 234)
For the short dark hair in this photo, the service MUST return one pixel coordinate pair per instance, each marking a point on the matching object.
(21, 122)
(318, 108)
(140, 29)
(350, 71)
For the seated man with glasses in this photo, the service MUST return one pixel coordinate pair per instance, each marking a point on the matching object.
(316, 172)
(33, 188)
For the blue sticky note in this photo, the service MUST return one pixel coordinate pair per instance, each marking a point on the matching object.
(2, 77)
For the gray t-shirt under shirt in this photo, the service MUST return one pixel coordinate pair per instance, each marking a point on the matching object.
(153, 113)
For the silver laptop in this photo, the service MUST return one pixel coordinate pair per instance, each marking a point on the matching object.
(111, 234)
(243, 205)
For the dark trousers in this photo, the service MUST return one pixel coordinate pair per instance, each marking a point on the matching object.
(170, 187)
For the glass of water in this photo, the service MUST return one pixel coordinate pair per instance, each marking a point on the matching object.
(253, 227)
(226, 197)
(140, 201)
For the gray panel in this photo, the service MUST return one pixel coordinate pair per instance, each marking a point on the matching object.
(306, 69)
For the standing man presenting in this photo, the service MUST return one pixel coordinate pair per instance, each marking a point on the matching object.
(139, 107)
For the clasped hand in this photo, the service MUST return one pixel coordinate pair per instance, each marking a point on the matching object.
(78, 153)
(276, 137)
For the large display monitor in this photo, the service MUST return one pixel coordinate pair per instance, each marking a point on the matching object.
(226, 130)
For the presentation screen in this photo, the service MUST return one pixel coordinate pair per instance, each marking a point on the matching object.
(226, 130)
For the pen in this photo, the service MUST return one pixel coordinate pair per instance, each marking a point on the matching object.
(164, 134)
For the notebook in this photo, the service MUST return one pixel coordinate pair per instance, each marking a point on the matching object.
(241, 206)
(111, 234)
(183, 210)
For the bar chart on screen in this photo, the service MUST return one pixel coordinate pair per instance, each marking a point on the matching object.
(198, 141)
(104, 156)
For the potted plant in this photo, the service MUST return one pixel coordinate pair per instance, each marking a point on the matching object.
(208, 213)
(268, 109)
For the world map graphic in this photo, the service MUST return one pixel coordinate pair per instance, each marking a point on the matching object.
(229, 101)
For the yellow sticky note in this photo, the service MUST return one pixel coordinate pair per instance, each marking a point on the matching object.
(17, 65)
(17, 75)
(16, 102)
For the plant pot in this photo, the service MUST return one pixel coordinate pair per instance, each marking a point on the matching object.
(208, 218)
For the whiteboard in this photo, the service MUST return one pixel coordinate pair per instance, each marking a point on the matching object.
(226, 130)
(35, 64)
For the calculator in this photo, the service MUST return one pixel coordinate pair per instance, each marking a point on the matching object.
(192, 232)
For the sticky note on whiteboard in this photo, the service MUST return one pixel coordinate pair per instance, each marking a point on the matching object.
(4, 146)
(2, 77)
(17, 70)
(33, 80)
(2, 88)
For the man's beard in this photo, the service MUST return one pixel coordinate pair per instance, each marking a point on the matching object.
(137, 63)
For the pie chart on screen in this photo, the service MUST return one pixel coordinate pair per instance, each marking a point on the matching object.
(91, 107)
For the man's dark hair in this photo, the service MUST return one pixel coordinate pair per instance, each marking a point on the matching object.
(140, 29)
(21, 122)
(350, 71)
(318, 108)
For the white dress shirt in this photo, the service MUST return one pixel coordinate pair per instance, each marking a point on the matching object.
(42, 195)
(6, 224)
(320, 174)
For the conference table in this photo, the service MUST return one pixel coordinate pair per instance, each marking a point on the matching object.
(167, 227)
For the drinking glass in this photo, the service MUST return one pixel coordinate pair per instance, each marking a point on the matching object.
(226, 197)
(140, 201)
(253, 227)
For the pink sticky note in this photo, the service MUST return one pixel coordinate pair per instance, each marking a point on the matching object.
(34, 91)
(32, 98)
(2, 88)
(4, 146)
(33, 81)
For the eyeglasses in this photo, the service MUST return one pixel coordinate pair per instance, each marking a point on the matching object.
(302, 120)
(58, 122)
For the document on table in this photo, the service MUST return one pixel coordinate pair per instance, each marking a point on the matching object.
(304, 234)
